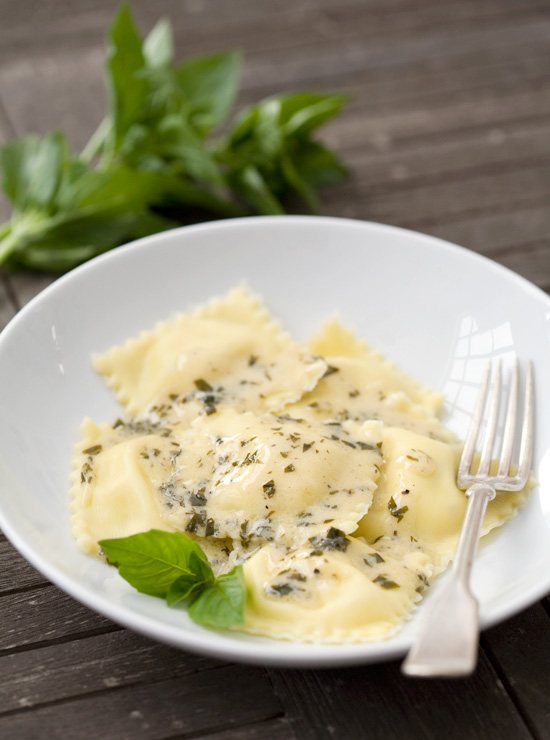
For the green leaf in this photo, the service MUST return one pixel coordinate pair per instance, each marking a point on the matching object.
(263, 151)
(317, 165)
(158, 47)
(128, 90)
(174, 147)
(148, 162)
(303, 112)
(220, 604)
(209, 84)
(299, 184)
(32, 170)
(250, 184)
(67, 240)
(187, 584)
(153, 560)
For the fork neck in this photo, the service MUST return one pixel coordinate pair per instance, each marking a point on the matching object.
(479, 496)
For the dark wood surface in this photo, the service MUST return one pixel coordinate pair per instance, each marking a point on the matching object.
(448, 132)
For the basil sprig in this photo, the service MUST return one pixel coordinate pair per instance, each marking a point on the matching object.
(153, 163)
(173, 567)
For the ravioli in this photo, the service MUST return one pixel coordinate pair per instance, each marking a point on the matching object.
(257, 479)
(335, 589)
(417, 499)
(112, 492)
(360, 384)
(377, 374)
(346, 392)
(227, 353)
(324, 470)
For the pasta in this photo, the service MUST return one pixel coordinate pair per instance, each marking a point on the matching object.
(323, 469)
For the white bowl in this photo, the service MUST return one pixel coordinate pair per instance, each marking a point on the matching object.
(437, 310)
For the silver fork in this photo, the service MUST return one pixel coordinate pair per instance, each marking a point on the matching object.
(447, 642)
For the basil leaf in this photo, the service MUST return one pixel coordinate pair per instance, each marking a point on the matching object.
(158, 48)
(148, 166)
(153, 560)
(210, 85)
(302, 113)
(67, 240)
(128, 90)
(299, 184)
(32, 169)
(220, 604)
(317, 165)
(262, 151)
(176, 148)
(187, 584)
(249, 183)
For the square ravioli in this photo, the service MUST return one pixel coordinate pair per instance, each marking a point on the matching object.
(258, 479)
(334, 590)
(322, 471)
(230, 352)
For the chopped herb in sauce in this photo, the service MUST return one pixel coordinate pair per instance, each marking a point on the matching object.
(94, 450)
(334, 539)
(290, 468)
(372, 559)
(282, 589)
(269, 488)
(396, 511)
(251, 457)
(197, 499)
(202, 385)
(385, 582)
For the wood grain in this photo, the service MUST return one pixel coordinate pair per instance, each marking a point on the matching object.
(43, 615)
(210, 700)
(114, 659)
(520, 650)
(379, 701)
(16, 574)
(446, 131)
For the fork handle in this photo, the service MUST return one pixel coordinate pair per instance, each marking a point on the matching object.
(447, 642)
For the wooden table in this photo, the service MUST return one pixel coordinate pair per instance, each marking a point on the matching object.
(448, 133)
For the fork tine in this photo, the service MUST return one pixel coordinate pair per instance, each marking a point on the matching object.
(509, 425)
(475, 424)
(527, 430)
(490, 433)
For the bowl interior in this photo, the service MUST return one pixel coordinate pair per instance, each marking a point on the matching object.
(438, 311)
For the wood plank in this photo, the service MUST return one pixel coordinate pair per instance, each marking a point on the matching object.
(45, 615)
(443, 199)
(8, 304)
(336, 60)
(495, 233)
(470, 152)
(112, 660)
(444, 119)
(277, 729)
(280, 20)
(74, 77)
(16, 573)
(520, 650)
(27, 285)
(64, 91)
(379, 701)
(370, 88)
(213, 700)
(7, 299)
